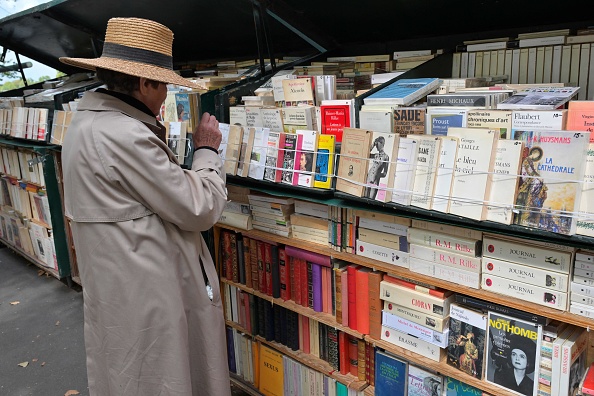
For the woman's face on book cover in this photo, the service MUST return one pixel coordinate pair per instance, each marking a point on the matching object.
(519, 359)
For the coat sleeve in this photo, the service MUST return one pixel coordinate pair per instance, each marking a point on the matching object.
(138, 162)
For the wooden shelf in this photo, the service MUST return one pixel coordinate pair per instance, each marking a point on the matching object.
(501, 299)
(308, 360)
(441, 367)
(321, 317)
(32, 259)
(369, 391)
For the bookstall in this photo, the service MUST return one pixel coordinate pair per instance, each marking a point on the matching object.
(304, 31)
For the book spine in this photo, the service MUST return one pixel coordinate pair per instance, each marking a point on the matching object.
(423, 333)
(309, 256)
(277, 322)
(524, 291)
(412, 344)
(284, 276)
(247, 262)
(449, 274)
(338, 295)
(296, 269)
(412, 299)
(375, 305)
(316, 280)
(432, 322)
(343, 353)
(382, 254)
(465, 246)
(275, 270)
(345, 296)
(304, 283)
(333, 348)
(361, 360)
(488, 306)
(450, 259)
(240, 260)
(353, 356)
(254, 264)
(268, 268)
(527, 274)
(261, 266)
(417, 287)
(352, 296)
(362, 300)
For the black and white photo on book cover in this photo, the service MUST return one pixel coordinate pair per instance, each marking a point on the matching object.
(513, 354)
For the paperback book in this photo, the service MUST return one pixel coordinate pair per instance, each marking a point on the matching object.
(541, 98)
(403, 92)
(381, 166)
(467, 339)
(352, 167)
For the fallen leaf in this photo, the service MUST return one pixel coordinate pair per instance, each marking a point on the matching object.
(15, 302)
(24, 364)
(42, 364)
(34, 360)
(58, 323)
(72, 392)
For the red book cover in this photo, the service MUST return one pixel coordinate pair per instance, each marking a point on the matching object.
(354, 356)
(254, 264)
(335, 117)
(343, 353)
(305, 330)
(362, 299)
(352, 295)
(246, 261)
(401, 282)
(304, 284)
(285, 281)
(375, 305)
(296, 272)
(588, 387)
(261, 272)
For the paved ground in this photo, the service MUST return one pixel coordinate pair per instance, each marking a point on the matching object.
(41, 326)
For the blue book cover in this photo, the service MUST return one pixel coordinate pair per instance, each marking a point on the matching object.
(341, 389)
(231, 350)
(455, 387)
(404, 91)
(390, 375)
(440, 123)
(182, 103)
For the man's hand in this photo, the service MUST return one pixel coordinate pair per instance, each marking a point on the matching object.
(207, 133)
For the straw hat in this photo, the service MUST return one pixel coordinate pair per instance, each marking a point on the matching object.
(138, 47)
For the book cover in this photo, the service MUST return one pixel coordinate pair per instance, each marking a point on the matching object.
(473, 171)
(324, 161)
(523, 273)
(409, 121)
(585, 223)
(403, 325)
(272, 151)
(467, 338)
(376, 121)
(352, 167)
(231, 152)
(550, 188)
(298, 91)
(335, 115)
(405, 168)
(287, 153)
(524, 291)
(541, 98)
(573, 361)
(403, 92)
(504, 183)
(532, 120)
(247, 143)
(390, 375)
(445, 174)
(498, 120)
(455, 387)
(258, 154)
(381, 166)
(513, 350)
(413, 344)
(305, 158)
(271, 372)
(422, 382)
(429, 148)
(440, 119)
(580, 116)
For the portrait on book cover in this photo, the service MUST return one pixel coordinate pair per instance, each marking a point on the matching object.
(466, 347)
(513, 353)
(377, 168)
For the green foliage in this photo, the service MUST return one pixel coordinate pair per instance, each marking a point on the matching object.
(18, 83)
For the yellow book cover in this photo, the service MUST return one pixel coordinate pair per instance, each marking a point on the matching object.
(271, 372)
(256, 362)
(324, 161)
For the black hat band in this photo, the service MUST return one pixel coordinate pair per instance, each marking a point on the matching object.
(123, 52)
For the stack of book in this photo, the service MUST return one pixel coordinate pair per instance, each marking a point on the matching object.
(310, 222)
(382, 237)
(535, 272)
(237, 212)
(582, 285)
(25, 123)
(550, 333)
(272, 214)
(429, 306)
(445, 252)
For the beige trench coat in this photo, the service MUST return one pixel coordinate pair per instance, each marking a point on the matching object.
(150, 327)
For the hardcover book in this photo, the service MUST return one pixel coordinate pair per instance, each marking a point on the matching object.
(352, 167)
(550, 186)
(504, 183)
(403, 92)
(473, 171)
(513, 353)
(426, 170)
(324, 161)
(445, 174)
(523, 273)
(467, 338)
(381, 166)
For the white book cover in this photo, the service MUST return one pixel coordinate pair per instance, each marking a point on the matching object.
(446, 273)
(224, 128)
(524, 291)
(464, 65)
(449, 242)
(515, 66)
(531, 73)
(547, 64)
(258, 155)
(445, 174)
(409, 327)
(530, 120)
(413, 344)
(573, 361)
(556, 66)
(585, 224)
(272, 119)
(423, 383)
(376, 121)
(574, 68)
(524, 273)
(451, 259)
(504, 184)
(552, 173)
(414, 299)
(383, 254)
(405, 167)
(473, 171)
(584, 71)
(523, 70)
(430, 321)
(499, 120)
(381, 165)
(472, 64)
(512, 354)
(425, 171)
(253, 116)
(540, 55)
(507, 67)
